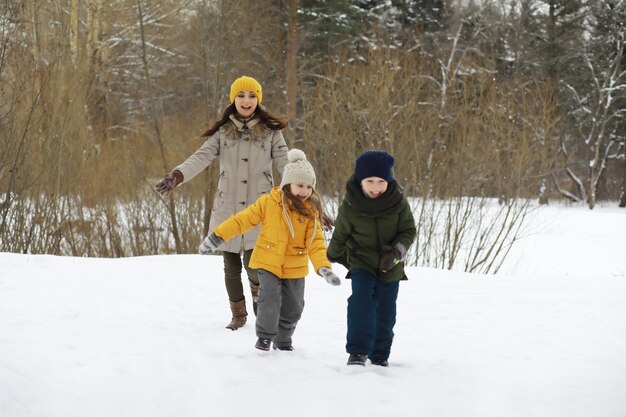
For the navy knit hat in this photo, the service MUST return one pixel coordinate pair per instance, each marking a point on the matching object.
(374, 164)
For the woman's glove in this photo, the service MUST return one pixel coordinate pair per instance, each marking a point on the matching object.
(391, 256)
(329, 276)
(210, 244)
(167, 184)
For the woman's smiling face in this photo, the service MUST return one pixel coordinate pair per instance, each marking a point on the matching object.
(245, 103)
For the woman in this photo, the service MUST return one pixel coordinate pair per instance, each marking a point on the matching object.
(247, 140)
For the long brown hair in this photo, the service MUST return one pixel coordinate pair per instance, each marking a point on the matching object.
(271, 121)
(300, 207)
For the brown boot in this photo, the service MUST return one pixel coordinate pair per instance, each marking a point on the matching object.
(254, 289)
(239, 314)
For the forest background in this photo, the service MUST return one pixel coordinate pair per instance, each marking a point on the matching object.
(519, 102)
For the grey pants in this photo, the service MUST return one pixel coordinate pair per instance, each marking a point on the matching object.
(232, 274)
(281, 303)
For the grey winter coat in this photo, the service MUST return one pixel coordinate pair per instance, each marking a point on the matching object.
(246, 153)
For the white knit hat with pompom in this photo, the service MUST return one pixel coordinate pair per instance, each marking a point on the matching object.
(298, 170)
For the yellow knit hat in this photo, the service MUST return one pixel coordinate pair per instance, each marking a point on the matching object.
(245, 83)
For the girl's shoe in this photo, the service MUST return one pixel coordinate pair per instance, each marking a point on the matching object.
(263, 344)
(283, 347)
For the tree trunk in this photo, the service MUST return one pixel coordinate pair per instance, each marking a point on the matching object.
(94, 34)
(591, 201)
(292, 70)
(157, 125)
(551, 58)
(544, 192)
(74, 31)
(212, 58)
(622, 199)
(98, 103)
(35, 34)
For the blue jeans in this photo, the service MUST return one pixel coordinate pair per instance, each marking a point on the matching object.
(371, 315)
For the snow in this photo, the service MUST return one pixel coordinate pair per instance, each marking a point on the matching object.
(145, 336)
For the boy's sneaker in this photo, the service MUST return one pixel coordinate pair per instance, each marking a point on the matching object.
(288, 348)
(263, 344)
(379, 362)
(357, 359)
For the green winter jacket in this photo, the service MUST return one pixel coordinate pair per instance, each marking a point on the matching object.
(363, 226)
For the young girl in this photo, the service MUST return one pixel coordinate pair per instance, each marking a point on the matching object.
(373, 229)
(291, 233)
(247, 140)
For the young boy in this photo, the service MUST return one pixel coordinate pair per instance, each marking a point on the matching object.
(291, 234)
(373, 229)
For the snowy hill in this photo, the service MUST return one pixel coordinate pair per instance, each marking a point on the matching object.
(145, 337)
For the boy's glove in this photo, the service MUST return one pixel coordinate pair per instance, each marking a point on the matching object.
(210, 244)
(391, 256)
(329, 276)
(343, 260)
(167, 184)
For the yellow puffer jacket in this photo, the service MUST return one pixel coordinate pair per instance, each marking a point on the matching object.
(280, 249)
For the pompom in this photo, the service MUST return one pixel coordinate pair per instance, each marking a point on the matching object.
(296, 155)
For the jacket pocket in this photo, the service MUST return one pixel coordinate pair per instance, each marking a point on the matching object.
(297, 251)
(228, 142)
(263, 144)
(265, 183)
(266, 245)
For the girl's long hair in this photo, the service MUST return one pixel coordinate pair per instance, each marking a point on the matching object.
(271, 121)
(302, 208)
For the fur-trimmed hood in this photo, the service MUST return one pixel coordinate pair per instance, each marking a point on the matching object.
(257, 129)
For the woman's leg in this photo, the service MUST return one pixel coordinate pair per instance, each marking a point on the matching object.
(234, 288)
(253, 279)
(232, 276)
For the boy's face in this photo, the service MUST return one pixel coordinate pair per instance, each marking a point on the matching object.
(301, 191)
(374, 187)
(245, 103)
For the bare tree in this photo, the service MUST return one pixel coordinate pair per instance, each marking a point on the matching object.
(597, 111)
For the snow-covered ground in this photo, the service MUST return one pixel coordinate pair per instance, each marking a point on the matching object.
(145, 337)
